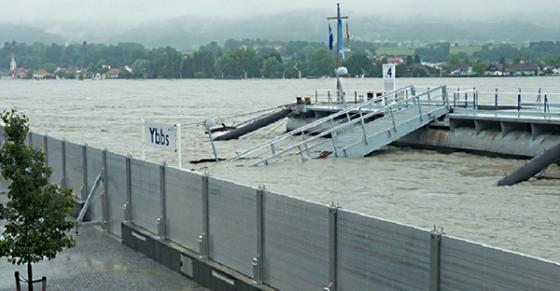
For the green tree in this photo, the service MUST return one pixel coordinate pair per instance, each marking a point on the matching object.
(320, 63)
(359, 63)
(272, 68)
(36, 226)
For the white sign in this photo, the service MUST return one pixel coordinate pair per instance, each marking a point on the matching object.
(389, 77)
(162, 136)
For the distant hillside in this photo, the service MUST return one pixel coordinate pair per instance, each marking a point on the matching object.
(28, 34)
(188, 32)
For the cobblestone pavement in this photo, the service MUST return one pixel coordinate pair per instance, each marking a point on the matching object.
(98, 262)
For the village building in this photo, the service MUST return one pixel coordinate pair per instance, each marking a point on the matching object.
(524, 69)
(461, 70)
(496, 70)
(20, 73)
(42, 74)
(113, 73)
(395, 60)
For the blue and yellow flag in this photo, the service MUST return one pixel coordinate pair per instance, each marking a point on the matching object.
(331, 38)
(340, 36)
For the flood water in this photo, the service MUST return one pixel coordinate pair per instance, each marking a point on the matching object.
(424, 188)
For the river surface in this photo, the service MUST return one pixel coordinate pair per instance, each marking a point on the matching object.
(424, 188)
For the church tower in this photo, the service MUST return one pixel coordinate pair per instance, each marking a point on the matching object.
(13, 65)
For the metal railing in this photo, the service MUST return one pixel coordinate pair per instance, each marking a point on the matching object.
(331, 119)
(304, 147)
(522, 100)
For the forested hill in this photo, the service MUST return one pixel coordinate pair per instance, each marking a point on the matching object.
(188, 32)
(28, 34)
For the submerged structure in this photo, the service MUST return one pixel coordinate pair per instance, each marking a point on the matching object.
(409, 116)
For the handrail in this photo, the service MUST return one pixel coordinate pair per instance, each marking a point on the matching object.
(350, 123)
(319, 121)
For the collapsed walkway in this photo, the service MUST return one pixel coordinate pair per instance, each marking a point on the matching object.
(358, 130)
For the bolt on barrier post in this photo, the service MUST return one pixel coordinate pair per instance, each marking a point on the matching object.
(203, 240)
(162, 220)
(105, 194)
(333, 215)
(127, 207)
(435, 258)
(258, 260)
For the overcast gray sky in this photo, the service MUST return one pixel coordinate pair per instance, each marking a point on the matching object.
(137, 11)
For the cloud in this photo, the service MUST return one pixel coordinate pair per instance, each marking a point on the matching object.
(138, 11)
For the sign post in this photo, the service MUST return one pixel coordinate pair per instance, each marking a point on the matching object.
(389, 78)
(162, 136)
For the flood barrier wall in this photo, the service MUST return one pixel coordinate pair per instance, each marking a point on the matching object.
(198, 224)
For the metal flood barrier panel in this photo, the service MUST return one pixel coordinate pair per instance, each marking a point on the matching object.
(116, 191)
(282, 241)
(75, 168)
(471, 266)
(145, 188)
(54, 154)
(381, 255)
(94, 168)
(296, 244)
(183, 203)
(37, 140)
(232, 213)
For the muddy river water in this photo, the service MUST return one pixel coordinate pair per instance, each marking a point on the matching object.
(456, 191)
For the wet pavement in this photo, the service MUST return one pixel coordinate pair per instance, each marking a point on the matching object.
(97, 262)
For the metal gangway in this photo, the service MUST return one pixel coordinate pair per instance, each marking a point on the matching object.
(358, 130)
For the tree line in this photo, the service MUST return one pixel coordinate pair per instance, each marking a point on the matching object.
(234, 59)
(258, 59)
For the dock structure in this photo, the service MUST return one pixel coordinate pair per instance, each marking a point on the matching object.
(357, 130)
(409, 116)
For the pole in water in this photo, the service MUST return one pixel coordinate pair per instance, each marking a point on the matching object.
(208, 124)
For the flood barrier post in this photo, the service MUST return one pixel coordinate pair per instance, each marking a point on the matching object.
(63, 182)
(316, 97)
(435, 259)
(466, 99)
(333, 214)
(329, 96)
(85, 186)
(258, 260)
(355, 97)
(203, 242)
(46, 148)
(127, 207)
(161, 221)
(105, 194)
